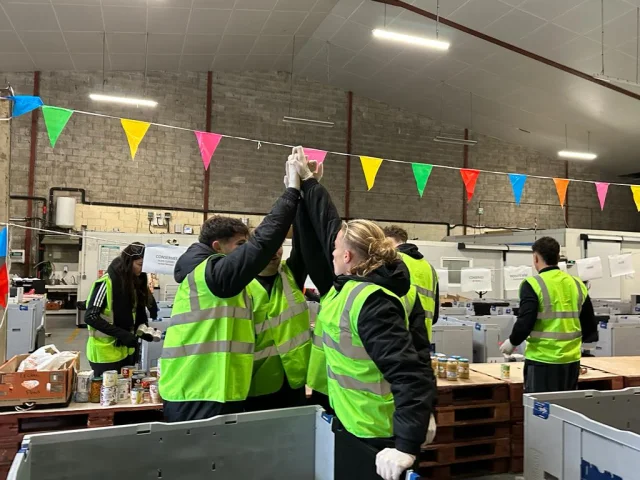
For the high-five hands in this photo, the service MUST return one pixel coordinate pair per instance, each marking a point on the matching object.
(291, 177)
(299, 168)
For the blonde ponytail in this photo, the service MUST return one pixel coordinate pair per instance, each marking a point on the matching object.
(369, 241)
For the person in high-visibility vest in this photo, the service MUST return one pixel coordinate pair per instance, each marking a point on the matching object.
(423, 275)
(555, 315)
(116, 307)
(208, 353)
(381, 390)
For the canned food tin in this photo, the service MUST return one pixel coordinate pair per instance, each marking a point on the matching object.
(124, 386)
(139, 372)
(94, 394)
(108, 396)
(110, 378)
(155, 394)
(84, 381)
(127, 372)
(136, 396)
(148, 381)
(505, 371)
(154, 372)
(463, 368)
(452, 369)
(82, 397)
(136, 381)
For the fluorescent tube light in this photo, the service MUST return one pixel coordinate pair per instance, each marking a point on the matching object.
(140, 102)
(308, 121)
(421, 41)
(454, 140)
(471, 246)
(577, 155)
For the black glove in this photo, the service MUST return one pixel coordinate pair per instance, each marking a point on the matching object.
(127, 340)
(146, 337)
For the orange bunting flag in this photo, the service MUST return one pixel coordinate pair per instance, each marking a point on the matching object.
(135, 131)
(370, 167)
(469, 177)
(635, 189)
(561, 187)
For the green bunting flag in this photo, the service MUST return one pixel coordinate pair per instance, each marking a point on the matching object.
(55, 118)
(421, 172)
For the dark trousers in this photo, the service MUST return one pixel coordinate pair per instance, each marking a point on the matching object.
(100, 368)
(286, 397)
(548, 377)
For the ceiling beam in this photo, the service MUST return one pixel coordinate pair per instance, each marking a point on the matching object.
(511, 47)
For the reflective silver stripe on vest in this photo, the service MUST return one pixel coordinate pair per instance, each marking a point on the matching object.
(354, 352)
(286, 347)
(293, 307)
(98, 334)
(317, 340)
(346, 346)
(194, 299)
(352, 384)
(580, 295)
(425, 292)
(407, 303)
(547, 309)
(556, 335)
(221, 346)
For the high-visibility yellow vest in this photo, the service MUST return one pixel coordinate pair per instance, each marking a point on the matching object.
(358, 392)
(283, 334)
(101, 348)
(317, 373)
(208, 348)
(424, 278)
(556, 335)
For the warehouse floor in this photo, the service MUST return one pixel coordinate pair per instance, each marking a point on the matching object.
(66, 336)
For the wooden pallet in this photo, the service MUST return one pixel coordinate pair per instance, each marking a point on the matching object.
(462, 433)
(475, 450)
(478, 388)
(473, 414)
(460, 470)
(517, 465)
(627, 367)
(517, 439)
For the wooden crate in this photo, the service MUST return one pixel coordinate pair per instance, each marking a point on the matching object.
(517, 465)
(477, 389)
(473, 414)
(475, 450)
(460, 470)
(465, 433)
(627, 367)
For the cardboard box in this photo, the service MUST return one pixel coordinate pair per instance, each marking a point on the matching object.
(52, 387)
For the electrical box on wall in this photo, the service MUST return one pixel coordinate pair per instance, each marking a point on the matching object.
(17, 256)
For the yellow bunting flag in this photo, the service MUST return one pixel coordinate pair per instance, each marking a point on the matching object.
(370, 167)
(635, 189)
(135, 131)
(561, 189)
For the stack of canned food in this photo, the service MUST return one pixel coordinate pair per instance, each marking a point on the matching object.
(131, 384)
(450, 368)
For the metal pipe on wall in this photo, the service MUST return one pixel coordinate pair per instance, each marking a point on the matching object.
(32, 173)
(465, 164)
(207, 174)
(347, 172)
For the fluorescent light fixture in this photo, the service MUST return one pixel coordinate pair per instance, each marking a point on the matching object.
(140, 102)
(454, 140)
(577, 155)
(308, 121)
(421, 41)
(471, 246)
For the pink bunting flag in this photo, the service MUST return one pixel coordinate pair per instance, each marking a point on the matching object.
(313, 154)
(602, 188)
(208, 142)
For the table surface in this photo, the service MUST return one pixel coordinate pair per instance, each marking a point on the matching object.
(624, 366)
(517, 371)
(61, 287)
(475, 378)
(79, 407)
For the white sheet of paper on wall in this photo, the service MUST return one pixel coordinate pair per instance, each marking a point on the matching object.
(475, 280)
(589, 268)
(562, 266)
(620, 265)
(514, 276)
(443, 280)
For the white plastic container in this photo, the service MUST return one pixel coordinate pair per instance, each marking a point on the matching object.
(65, 212)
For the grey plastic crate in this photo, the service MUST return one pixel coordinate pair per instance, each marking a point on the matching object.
(588, 435)
(294, 444)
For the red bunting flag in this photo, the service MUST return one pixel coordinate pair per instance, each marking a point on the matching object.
(469, 177)
(208, 142)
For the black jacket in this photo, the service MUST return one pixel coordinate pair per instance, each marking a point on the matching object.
(528, 314)
(226, 277)
(382, 329)
(412, 250)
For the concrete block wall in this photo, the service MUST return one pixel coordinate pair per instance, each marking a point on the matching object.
(92, 153)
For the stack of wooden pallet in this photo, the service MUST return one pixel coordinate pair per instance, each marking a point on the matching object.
(474, 436)
(590, 380)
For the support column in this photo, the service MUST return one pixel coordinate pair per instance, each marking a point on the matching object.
(347, 172)
(207, 175)
(5, 160)
(465, 164)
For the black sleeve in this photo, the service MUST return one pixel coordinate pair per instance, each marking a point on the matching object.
(296, 262)
(436, 309)
(389, 344)
(323, 214)
(227, 276)
(95, 305)
(418, 330)
(153, 307)
(588, 322)
(527, 315)
(307, 243)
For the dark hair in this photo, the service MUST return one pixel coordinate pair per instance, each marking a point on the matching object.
(135, 285)
(221, 228)
(399, 234)
(549, 249)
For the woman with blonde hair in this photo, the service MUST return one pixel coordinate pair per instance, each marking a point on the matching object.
(381, 389)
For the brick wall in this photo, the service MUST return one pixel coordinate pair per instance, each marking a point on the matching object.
(92, 153)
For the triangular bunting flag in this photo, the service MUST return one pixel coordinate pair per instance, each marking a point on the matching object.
(370, 167)
(313, 154)
(517, 185)
(421, 172)
(55, 119)
(24, 104)
(4, 283)
(135, 131)
(3, 242)
(469, 177)
(635, 189)
(561, 188)
(602, 188)
(208, 142)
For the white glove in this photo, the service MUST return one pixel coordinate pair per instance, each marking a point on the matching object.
(431, 431)
(391, 463)
(317, 169)
(291, 178)
(506, 348)
(302, 163)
